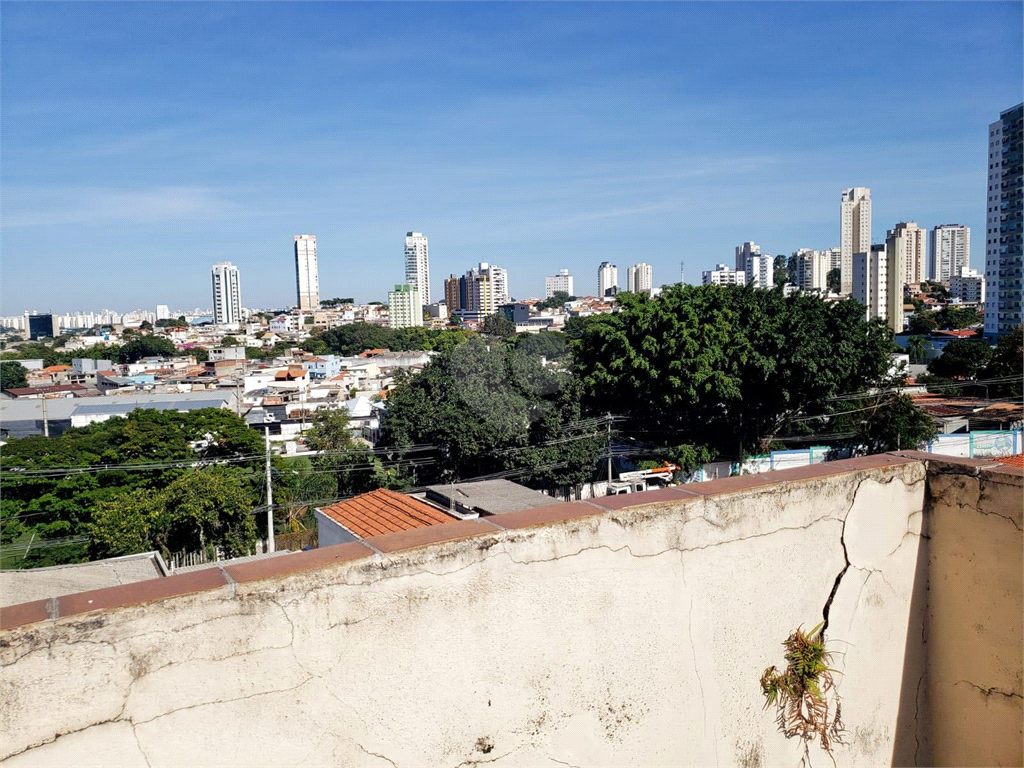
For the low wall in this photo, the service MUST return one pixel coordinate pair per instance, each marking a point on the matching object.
(578, 634)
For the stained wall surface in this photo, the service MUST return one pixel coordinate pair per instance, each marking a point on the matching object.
(633, 636)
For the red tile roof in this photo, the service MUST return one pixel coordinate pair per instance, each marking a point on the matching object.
(1017, 460)
(383, 511)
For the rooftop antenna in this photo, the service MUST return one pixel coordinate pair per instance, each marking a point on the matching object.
(682, 272)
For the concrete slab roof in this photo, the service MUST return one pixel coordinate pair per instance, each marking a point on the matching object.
(489, 497)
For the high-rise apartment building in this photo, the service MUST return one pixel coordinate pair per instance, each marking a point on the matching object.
(812, 268)
(722, 275)
(968, 286)
(906, 242)
(483, 290)
(949, 252)
(560, 283)
(163, 312)
(744, 252)
(1004, 267)
(871, 283)
(405, 309)
(640, 278)
(454, 292)
(227, 294)
(855, 232)
(307, 276)
(607, 279)
(417, 264)
(835, 258)
(760, 270)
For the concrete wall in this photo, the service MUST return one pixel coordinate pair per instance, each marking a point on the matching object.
(963, 681)
(631, 636)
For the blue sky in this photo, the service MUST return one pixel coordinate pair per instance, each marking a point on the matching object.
(143, 142)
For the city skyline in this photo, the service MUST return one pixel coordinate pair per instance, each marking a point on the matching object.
(506, 171)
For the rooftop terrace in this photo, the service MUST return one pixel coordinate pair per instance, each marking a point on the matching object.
(631, 630)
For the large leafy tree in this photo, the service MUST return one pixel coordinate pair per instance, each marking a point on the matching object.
(1006, 364)
(491, 408)
(13, 375)
(893, 424)
(961, 359)
(57, 487)
(725, 367)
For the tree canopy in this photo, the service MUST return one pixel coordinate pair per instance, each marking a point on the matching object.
(358, 337)
(13, 375)
(962, 359)
(724, 366)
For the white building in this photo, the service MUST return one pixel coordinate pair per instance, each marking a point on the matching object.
(607, 279)
(968, 286)
(760, 270)
(722, 275)
(284, 324)
(307, 274)
(163, 312)
(1004, 267)
(812, 268)
(486, 290)
(405, 310)
(835, 258)
(562, 282)
(227, 294)
(906, 242)
(417, 265)
(949, 252)
(640, 278)
(855, 232)
(744, 252)
(871, 283)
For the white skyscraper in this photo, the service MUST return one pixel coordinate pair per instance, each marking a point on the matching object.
(906, 242)
(639, 278)
(722, 275)
(855, 232)
(227, 294)
(745, 251)
(307, 277)
(812, 269)
(560, 282)
(417, 264)
(871, 284)
(163, 312)
(607, 279)
(950, 251)
(760, 270)
(405, 308)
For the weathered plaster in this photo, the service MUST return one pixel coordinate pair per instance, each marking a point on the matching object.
(635, 637)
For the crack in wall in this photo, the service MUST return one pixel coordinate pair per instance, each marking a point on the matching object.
(379, 756)
(993, 691)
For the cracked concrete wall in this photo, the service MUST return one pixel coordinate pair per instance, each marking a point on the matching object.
(635, 637)
(968, 688)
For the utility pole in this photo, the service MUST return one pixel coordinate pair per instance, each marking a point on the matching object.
(609, 448)
(270, 498)
(46, 420)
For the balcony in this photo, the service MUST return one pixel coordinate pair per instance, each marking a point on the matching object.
(632, 630)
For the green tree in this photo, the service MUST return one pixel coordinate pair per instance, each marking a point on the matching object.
(725, 367)
(1005, 363)
(780, 273)
(498, 325)
(13, 375)
(146, 346)
(145, 325)
(555, 301)
(895, 424)
(229, 341)
(961, 359)
(354, 468)
(916, 348)
(206, 509)
(122, 524)
(833, 280)
(953, 317)
(923, 322)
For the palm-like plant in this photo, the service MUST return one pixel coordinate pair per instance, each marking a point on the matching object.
(916, 348)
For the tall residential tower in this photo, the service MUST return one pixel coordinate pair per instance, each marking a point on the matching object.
(640, 278)
(1005, 209)
(307, 277)
(950, 251)
(227, 293)
(417, 264)
(855, 232)
(607, 279)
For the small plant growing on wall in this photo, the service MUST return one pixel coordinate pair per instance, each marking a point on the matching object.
(804, 693)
